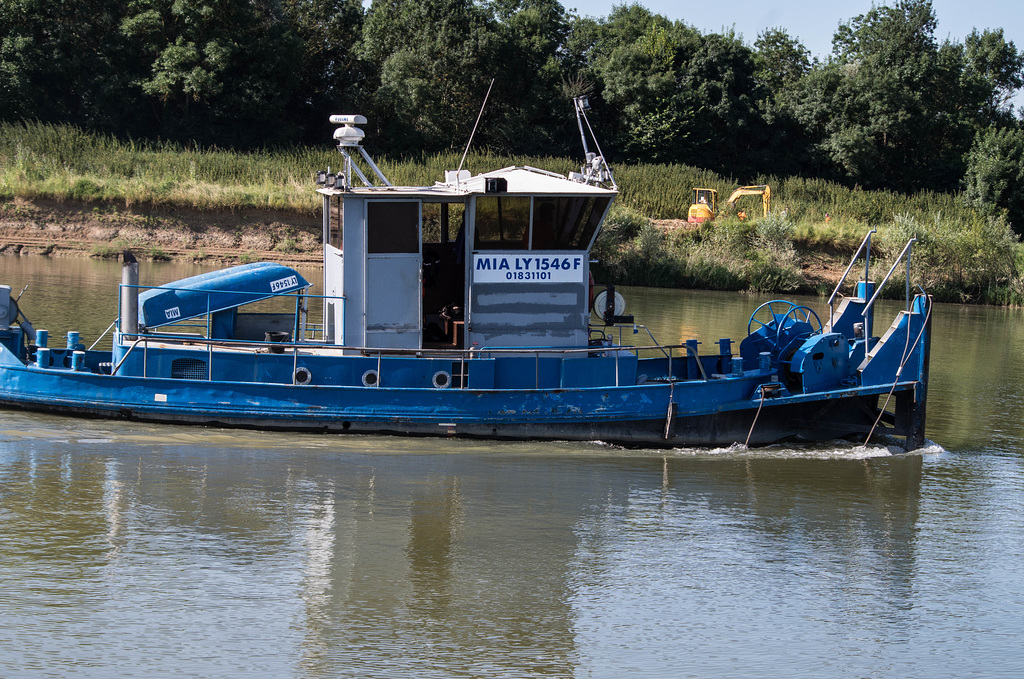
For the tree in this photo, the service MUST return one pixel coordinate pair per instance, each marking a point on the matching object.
(719, 72)
(641, 79)
(531, 108)
(781, 60)
(999, 67)
(429, 60)
(994, 180)
(219, 71)
(681, 96)
(331, 78)
(66, 62)
(891, 108)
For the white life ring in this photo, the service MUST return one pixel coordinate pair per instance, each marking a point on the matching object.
(598, 306)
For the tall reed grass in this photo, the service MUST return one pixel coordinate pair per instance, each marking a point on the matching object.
(62, 161)
(724, 255)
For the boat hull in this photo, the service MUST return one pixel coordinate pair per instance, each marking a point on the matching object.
(657, 415)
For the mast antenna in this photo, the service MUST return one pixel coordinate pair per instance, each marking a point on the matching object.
(478, 116)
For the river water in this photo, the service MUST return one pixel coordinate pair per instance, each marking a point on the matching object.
(136, 550)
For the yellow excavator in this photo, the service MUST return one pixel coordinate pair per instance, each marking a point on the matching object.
(705, 202)
(705, 206)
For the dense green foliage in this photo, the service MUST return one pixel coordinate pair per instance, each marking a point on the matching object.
(995, 173)
(968, 258)
(892, 107)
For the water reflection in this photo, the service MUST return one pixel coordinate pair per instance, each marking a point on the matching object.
(425, 562)
(751, 533)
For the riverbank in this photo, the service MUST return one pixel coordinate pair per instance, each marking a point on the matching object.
(47, 227)
(71, 228)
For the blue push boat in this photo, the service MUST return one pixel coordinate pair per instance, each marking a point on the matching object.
(465, 309)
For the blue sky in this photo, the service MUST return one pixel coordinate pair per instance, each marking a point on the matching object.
(814, 21)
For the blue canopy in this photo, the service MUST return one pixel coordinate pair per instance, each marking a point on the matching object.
(217, 291)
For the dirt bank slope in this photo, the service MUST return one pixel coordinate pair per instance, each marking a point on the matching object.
(48, 227)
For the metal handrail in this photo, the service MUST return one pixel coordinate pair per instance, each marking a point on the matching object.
(638, 326)
(696, 357)
(103, 334)
(387, 351)
(906, 251)
(138, 338)
(461, 354)
(867, 269)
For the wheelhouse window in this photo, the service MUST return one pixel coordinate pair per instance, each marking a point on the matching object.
(502, 222)
(336, 221)
(566, 222)
(442, 222)
(392, 227)
(537, 223)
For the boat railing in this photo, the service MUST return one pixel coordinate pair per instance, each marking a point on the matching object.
(135, 343)
(302, 328)
(636, 328)
(301, 349)
(103, 334)
(865, 246)
(904, 255)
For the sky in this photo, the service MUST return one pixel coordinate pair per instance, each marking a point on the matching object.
(813, 22)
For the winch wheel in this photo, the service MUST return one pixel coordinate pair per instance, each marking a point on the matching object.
(774, 309)
(801, 314)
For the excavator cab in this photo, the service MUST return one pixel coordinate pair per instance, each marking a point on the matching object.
(705, 206)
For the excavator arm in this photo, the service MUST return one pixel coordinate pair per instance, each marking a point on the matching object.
(762, 190)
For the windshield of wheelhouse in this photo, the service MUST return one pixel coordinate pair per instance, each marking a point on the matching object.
(538, 222)
(566, 222)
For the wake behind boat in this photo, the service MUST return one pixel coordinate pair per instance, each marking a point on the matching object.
(464, 309)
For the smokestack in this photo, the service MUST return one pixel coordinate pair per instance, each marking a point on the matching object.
(129, 294)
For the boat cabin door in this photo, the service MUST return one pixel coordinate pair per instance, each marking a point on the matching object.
(393, 284)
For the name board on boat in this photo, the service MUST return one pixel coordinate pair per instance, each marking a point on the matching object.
(284, 284)
(508, 268)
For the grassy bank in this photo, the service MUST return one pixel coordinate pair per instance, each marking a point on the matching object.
(961, 256)
(957, 261)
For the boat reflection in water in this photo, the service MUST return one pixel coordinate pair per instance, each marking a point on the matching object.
(383, 557)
